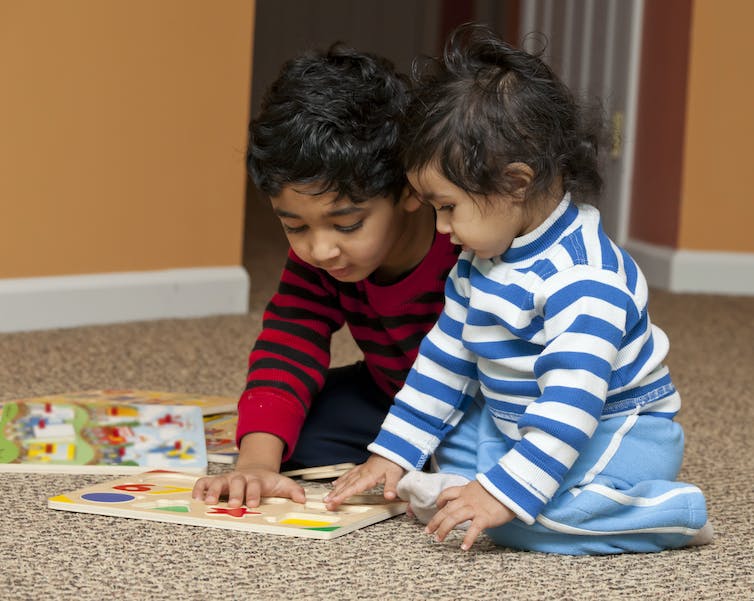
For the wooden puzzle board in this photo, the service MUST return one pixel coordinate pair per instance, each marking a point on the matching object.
(323, 472)
(165, 496)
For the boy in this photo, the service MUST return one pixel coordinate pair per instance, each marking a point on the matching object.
(363, 252)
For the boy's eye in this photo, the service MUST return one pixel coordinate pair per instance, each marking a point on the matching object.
(445, 207)
(289, 229)
(349, 228)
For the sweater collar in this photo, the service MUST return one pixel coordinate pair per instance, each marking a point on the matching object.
(545, 235)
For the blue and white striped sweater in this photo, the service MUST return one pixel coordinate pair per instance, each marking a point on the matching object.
(555, 335)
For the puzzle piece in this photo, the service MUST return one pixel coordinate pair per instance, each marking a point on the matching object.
(165, 496)
(323, 472)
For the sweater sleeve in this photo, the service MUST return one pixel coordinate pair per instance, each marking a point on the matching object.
(290, 358)
(585, 316)
(438, 388)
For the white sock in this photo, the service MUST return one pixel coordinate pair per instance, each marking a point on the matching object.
(421, 490)
(703, 537)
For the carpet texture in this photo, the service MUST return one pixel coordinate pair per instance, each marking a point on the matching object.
(59, 555)
(51, 555)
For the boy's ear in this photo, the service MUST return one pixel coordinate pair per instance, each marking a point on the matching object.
(409, 200)
(520, 175)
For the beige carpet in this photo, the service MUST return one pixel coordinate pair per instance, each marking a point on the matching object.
(59, 555)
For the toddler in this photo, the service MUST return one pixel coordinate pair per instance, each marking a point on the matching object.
(541, 393)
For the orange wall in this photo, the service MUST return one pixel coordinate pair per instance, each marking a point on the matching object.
(717, 209)
(123, 134)
(691, 189)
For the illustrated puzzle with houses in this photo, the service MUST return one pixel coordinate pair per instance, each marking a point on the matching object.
(220, 433)
(165, 496)
(209, 405)
(49, 434)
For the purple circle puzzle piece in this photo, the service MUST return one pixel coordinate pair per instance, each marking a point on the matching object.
(107, 497)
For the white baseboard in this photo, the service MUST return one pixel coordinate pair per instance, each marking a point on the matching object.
(694, 271)
(70, 301)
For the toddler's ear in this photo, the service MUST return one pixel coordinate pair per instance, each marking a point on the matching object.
(519, 176)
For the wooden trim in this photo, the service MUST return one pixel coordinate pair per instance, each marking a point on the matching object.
(70, 301)
(658, 163)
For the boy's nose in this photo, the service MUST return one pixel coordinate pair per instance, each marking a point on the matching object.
(323, 249)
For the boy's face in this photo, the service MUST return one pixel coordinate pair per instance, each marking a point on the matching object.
(348, 240)
(486, 226)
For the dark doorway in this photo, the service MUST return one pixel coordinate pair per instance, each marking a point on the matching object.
(397, 29)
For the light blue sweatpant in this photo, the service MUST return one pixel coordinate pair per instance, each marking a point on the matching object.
(620, 495)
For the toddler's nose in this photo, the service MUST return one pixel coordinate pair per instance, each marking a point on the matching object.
(442, 223)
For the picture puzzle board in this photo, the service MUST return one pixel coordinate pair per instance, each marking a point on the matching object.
(209, 405)
(90, 437)
(165, 496)
(220, 433)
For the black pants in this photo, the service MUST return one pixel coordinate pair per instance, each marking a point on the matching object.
(344, 418)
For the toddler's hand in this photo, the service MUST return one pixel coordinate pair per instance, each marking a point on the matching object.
(469, 502)
(375, 471)
(247, 485)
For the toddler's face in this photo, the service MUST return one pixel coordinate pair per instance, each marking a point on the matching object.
(485, 226)
(348, 240)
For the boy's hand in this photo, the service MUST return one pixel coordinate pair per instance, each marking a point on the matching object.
(470, 502)
(249, 485)
(375, 471)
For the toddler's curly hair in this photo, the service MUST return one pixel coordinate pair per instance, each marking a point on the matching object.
(486, 104)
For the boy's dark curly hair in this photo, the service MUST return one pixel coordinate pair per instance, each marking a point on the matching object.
(331, 118)
(487, 104)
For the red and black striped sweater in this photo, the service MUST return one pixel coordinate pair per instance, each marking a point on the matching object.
(290, 359)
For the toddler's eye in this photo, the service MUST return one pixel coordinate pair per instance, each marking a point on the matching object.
(446, 207)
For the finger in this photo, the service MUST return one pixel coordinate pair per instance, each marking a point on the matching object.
(345, 483)
(359, 485)
(390, 492)
(200, 487)
(335, 498)
(349, 476)
(294, 491)
(449, 494)
(253, 493)
(342, 479)
(471, 535)
(433, 524)
(451, 518)
(215, 488)
(236, 491)
(447, 524)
